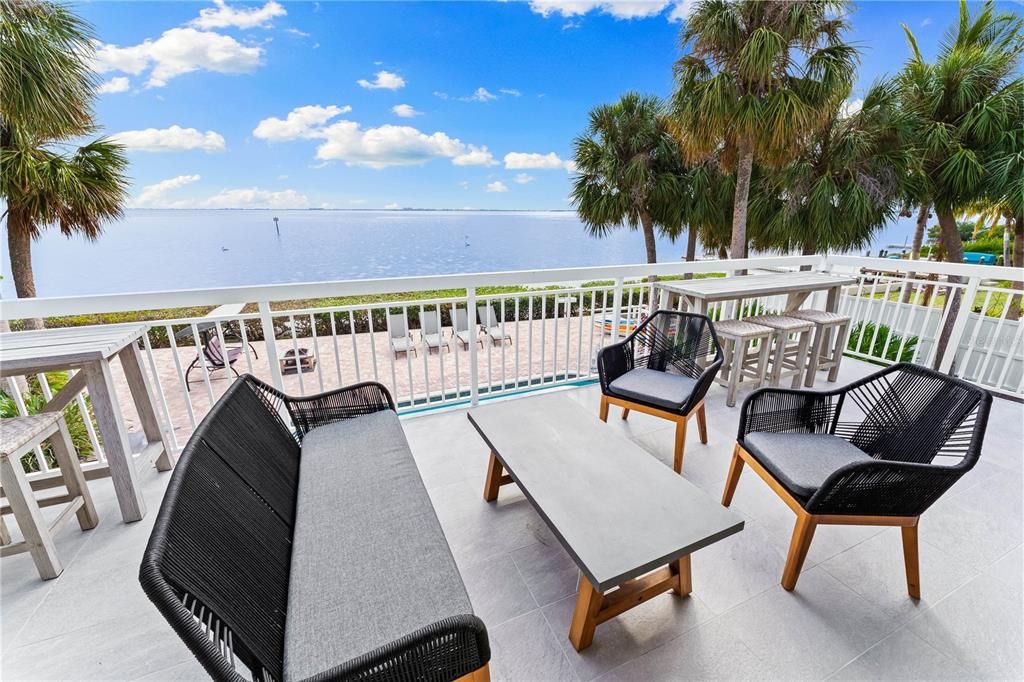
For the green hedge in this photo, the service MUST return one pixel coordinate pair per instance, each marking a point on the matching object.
(34, 401)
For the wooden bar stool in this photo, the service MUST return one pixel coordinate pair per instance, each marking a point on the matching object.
(830, 330)
(18, 435)
(789, 357)
(738, 338)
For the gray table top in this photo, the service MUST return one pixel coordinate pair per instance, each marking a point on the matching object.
(44, 349)
(616, 509)
(727, 288)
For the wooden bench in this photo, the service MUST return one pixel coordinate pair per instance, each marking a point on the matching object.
(309, 547)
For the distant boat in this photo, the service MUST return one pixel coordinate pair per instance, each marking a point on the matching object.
(224, 248)
(465, 240)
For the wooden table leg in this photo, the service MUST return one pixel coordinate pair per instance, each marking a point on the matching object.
(30, 519)
(584, 618)
(138, 383)
(493, 482)
(115, 441)
(71, 471)
(681, 570)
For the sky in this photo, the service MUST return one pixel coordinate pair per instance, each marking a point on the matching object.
(350, 105)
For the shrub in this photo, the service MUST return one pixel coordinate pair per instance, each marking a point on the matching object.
(34, 402)
(863, 343)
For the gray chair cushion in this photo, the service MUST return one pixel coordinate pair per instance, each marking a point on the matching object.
(802, 461)
(369, 560)
(663, 389)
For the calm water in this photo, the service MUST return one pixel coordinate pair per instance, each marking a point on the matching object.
(156, 250)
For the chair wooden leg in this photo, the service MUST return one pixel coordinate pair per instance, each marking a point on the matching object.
(735, 469)
(737, 358)
(5, 533)
(584, 618)
(30, 519)
(625, 413)
(910, 559)
(677, 461)
(837, 353)
(800, 362)
(481, 674)
(814, 356)
(702, 424)
(70, 469)
(603, 414)
(803, 533)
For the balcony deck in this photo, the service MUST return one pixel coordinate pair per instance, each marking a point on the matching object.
(849, 617)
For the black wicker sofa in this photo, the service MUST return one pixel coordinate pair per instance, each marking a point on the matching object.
(310, 553)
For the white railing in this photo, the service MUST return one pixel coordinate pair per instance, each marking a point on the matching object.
(550, 335)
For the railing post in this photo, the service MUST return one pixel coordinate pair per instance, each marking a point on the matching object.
(959, 325)
(474, 375)
(616, 309)
(269, 338)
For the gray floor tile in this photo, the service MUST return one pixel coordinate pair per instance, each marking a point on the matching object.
(548, 571)
(628, 635)
(496, 589)
(874, 569)
(525, 648)
(495, 528)
(901, 656)
(708, 652)
(979, 626)
(1009, 568)
(183, 672)
(737, 568)
(812, 631)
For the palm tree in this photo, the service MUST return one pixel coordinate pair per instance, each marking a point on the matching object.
(962, 106)
(758, 76)
(852, 176)
(46, 91)
(629, 171)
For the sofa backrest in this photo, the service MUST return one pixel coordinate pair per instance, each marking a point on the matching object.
(217, 563)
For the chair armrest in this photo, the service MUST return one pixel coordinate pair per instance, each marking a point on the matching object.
(445, 650)
(884, 488)
(346, 402)
(704, 381)
(613, 361)
(780, 410)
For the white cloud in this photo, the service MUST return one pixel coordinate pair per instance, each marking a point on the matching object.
(254, 197)
(405, 111)
(385, 80)
(851, 107)
(682, 10)
(356, 202)
(511, 92)
(927, 21)
(296, 32)
(479, 95)
(118, 84)
(523, 178)
(475, 156)
(440, 95)
(527, 160)
(171, 139)
(497, 186)
(152, 196)
(176, 52)
(464, 184)
(392, 206)
(224, 16)
(301, 122)
(620, 9)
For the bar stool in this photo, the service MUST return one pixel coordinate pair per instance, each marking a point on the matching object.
(738, 338)
(18, 435)
(789, 357)
(825, 355)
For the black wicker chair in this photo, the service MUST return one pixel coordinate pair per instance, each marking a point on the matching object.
(664, 368)
(877, 452)
(219, 563)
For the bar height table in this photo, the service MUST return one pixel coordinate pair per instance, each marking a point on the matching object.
(698, 294)
(90, 350)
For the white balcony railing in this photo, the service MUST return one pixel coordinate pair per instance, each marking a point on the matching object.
(556, 327)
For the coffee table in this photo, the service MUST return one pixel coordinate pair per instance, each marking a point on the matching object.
(628, 521)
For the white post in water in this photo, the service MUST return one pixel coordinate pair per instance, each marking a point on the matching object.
(269, 338)
(474, 377)
(616, 309)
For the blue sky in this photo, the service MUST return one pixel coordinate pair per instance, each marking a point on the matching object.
(300, 104)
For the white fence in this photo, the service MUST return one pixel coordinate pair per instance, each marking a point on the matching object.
(547, 335)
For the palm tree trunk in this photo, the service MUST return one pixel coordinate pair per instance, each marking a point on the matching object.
(1007, 233)
(915, 248)
(1018, 260)
(744, 168)
(810, 247)
(649, 242)
(19, 246)
(954, 247)
(691, 248)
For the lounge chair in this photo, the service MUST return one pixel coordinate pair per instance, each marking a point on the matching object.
(214, 357)
(494, 329)
(462, 331)
(430, 330)
(401, 339)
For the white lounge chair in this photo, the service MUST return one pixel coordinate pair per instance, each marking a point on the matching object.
(401, 339)
(462, 331)
(430, 330)
(493, 328)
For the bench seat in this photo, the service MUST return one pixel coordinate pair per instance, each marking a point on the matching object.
(370, 562)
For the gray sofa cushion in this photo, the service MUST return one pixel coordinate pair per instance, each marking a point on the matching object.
(802, 461)
(665, 390)
(369, 560)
